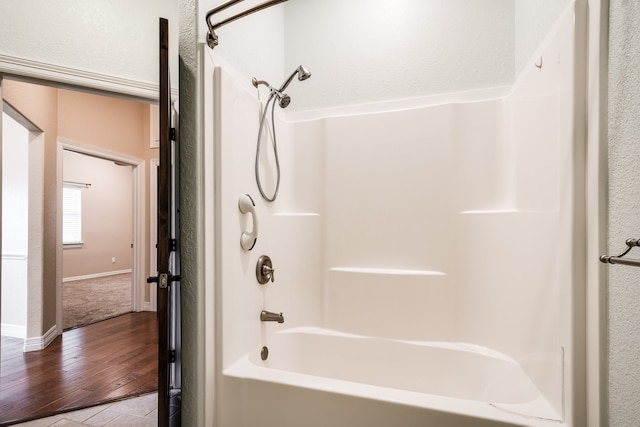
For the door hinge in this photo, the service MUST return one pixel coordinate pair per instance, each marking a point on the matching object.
(172, 356)
(172, 135)
(173, 245)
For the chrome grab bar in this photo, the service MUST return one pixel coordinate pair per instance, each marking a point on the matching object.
(212, 38)
(618, 259)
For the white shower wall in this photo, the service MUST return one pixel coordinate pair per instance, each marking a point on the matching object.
(455, 221)
(533, 19)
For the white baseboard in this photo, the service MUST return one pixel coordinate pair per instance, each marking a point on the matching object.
(96, 275)
(40, 343)
(13, 331)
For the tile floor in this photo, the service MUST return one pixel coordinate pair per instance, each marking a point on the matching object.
(139, 412)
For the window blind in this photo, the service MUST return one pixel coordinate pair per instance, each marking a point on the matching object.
(71, 214)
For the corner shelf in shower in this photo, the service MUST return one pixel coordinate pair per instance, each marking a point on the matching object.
(297, 214)
(488, 211)
(510, 211)
(387, 271)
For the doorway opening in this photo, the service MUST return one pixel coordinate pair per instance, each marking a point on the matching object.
(117, 132)
(97, 239)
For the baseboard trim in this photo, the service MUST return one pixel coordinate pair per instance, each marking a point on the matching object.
(13, 331)
(96, 275)
(40, 343)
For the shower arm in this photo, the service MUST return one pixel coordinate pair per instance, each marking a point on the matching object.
(212, 37)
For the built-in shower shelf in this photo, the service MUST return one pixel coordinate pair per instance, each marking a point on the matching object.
(489, 211)
(297, 214)
(387, 271)
(506, 211)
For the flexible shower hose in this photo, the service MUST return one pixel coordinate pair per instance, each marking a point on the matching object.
(272, 99)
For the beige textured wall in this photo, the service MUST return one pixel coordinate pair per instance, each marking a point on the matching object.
(111, 123)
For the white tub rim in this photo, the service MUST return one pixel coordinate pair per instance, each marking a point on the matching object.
(537, 412)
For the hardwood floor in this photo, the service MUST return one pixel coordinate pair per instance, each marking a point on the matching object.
(99, 363)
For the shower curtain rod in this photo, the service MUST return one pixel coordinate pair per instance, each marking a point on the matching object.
(212, 38)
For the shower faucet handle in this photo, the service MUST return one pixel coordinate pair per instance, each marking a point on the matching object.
(268, 272)
(264, 270)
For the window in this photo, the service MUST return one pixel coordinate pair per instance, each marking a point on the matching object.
(71, 215)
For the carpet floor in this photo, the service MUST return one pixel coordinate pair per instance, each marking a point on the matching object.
(93, 300)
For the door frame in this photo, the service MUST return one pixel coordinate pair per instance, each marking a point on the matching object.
(139, 217)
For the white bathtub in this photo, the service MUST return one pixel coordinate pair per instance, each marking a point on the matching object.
(333, 378)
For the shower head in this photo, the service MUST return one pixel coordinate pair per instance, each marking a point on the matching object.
(284, 100)
(303, 74)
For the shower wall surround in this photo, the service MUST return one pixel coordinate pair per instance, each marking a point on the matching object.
(447, 218)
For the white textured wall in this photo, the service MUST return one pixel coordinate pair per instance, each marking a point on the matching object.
(362, 50)
(253, 45)
(118, 38)
(366, 51)
(624, 211)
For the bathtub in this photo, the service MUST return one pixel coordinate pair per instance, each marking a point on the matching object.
(332, 378)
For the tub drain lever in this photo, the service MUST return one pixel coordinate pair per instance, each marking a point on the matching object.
(619, 259)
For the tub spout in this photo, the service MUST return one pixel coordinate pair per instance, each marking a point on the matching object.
(267, 316)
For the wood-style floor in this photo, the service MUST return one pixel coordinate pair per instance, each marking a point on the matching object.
(95, 364)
